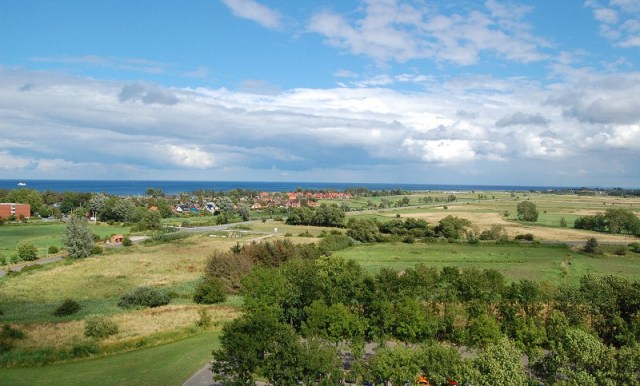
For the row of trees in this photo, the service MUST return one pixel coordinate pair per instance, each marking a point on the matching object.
(307, 321)
(611, 221)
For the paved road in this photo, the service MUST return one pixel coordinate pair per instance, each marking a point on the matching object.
(46, 260)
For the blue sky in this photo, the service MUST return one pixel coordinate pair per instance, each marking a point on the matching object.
(469, 92)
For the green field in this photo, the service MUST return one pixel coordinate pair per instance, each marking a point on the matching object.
(170, 364)
(44, 235)
(536, 262)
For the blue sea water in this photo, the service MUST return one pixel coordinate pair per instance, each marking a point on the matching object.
(136, 188)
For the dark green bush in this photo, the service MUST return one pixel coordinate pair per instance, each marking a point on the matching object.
(9, 332)
(96, 326)
(84, 349)
(53, 249)
(209, 291)
(525, 237)
(332, 243)
(68, 307)
(635, 247)
(126, 242)
(143, 297)
(96, 250)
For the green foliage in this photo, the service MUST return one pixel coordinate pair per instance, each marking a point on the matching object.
(612, 221)
(525, 237)
(452, 227)
(97, 250)
(7, 337)
(563, 222)
(324, 215)
(499, 364)
(592, 246)
(77, 238)
(150, 220)
(496, 233)
(96, 326)
(126, 242)
(143, 297)
(209, 291)
(68, 307)
(397, 365)
(332, 243)
(27, 251)
(53, 249)
(527, 211)
(364, 230)
(204, 319)
(483, 330)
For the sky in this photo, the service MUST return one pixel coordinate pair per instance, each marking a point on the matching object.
(492, 92)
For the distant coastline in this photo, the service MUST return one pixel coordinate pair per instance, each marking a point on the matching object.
(139, 187)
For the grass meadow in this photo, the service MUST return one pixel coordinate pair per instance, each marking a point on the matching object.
(173, 345)
(169, 364)
(44, 235)
(556, 263)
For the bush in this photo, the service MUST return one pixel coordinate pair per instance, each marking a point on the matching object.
(525, 237)
(9, 332)
(3, 260)
(68, 307)
(209, 291)
(143, 297)
(84, 349)
(27, 251)
(96, 250)
(592, 246)
(53, 249)
(620, 251)
(126, 242)
(635, 247)
(96, 326)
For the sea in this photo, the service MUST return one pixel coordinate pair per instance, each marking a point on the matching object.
(140, 187)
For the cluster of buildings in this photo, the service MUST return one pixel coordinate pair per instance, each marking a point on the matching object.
(266, 200)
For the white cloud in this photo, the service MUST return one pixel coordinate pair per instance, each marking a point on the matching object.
(619, 21)
(393, 30)
(189, 156)
(70, 127)
(252, 10)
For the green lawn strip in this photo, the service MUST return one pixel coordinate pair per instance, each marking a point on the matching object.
(44, 235)
(536, 262)
(169, 364)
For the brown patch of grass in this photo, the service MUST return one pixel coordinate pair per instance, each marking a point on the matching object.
(131, 325)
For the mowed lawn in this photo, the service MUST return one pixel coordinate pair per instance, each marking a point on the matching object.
(170, 364)
(44, 235)
(530, 261)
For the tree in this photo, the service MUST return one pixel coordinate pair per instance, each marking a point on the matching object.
(77, 238)
(500, 364)
(527, 211)
(27, 251)
(27, 196)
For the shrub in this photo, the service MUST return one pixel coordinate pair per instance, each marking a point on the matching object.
(53, 249)
(620, 250)
(84, 349)
(126, 242)
(209, 291)
(68, 307)
(27, 251)
(143, 297)
(96, 326)
(592, 246)
(525, 237)
(333, 242)
(9, 332)
(3, 260)
(635, 247)
(96, 250)
(204, 320)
